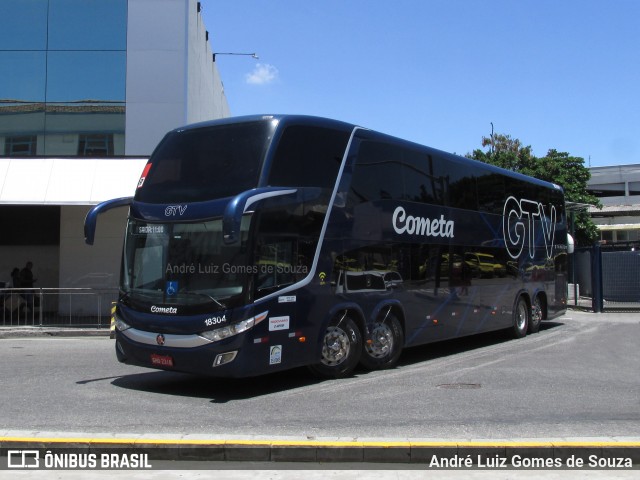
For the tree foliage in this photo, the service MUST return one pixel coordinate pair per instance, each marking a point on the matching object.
(557, 167)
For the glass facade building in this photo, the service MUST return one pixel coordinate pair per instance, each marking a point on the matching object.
(62, 91)
(87, 90)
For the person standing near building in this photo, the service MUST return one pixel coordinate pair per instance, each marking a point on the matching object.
(26, 281)
(15, 277)
(26, 276)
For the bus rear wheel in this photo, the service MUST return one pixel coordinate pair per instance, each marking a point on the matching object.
(521, 316)
(536, 315)
(384, 346)
(341, 349)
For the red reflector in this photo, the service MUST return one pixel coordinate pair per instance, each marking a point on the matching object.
(161, 360)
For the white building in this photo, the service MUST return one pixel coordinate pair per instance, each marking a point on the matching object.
(94, 87)
(618, 188)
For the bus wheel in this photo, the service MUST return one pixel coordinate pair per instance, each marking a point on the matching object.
(520, 318)
(341, 349)
(384, 346)
(536, 315)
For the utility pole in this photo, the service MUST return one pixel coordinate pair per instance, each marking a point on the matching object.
(491, 139)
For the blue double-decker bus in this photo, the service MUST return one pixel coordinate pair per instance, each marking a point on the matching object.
(258, 244)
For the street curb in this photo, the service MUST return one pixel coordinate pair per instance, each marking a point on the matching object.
(334, 451)
(23, 331)
(35, 331)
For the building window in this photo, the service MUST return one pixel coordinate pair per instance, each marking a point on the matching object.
(96, 145)
(21, 146)
(607, 235)
(68, 76)
(634, 188)
(607, 190)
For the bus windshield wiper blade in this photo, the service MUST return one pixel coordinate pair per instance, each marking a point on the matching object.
(217, 302)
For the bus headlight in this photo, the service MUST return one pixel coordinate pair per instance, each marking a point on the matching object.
(231, 330)
(121, 325)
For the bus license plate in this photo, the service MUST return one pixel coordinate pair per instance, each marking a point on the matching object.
(162, 360)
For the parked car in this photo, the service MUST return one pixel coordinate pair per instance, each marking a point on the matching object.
(486, 264)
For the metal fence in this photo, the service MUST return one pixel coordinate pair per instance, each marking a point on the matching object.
(605, 279)
(64, 307)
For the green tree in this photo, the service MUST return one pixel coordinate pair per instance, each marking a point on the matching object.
(557, 167)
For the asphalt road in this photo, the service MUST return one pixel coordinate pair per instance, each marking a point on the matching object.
(577, 378)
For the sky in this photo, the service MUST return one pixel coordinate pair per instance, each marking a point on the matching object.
(556, 74)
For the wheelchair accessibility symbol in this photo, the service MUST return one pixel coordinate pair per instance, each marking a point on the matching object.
(172, 288)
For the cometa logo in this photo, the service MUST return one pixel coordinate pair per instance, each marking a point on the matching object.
(403, 223)
(172, 310)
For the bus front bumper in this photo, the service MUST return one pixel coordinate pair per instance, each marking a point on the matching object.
(239, 356)
(182, 353)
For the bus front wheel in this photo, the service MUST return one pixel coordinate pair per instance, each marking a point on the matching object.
(384, 345)
(341, 349)
(521, 316)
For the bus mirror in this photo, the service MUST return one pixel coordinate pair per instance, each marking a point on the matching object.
(92, 217)
(239, 205)
(570, 244)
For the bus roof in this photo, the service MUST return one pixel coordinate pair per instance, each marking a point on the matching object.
(296, 119)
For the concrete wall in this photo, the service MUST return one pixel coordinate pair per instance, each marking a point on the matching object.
(171, 79)
(84, 266)
(156, 72)
(205, 96)
(95, 266)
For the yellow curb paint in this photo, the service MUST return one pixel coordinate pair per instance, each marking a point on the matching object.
(316, 443)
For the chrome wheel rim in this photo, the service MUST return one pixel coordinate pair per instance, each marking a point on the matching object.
(521, 319)
(336, 346)
(381, 342)
(536, 312)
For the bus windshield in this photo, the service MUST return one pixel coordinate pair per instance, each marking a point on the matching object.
(200, 164)
(185, 264)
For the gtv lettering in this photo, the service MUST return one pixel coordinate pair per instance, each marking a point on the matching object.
(519, 225)
(172, 210)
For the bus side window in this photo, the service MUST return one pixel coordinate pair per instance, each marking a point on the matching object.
(308, 157)
(386, 171)
(276, 265)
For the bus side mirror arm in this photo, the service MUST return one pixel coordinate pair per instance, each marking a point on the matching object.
(239, 205)
(92, 216)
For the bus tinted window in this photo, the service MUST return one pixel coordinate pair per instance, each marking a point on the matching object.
(460, 179)
(420, 183)
(308, 157)
(206, 163)
(385, 171)
(491, 192)
(377, 175)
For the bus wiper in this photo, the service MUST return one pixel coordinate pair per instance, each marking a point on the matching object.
(275, 287)
(217, 302)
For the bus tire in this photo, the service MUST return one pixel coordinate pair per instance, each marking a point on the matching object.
(341, 349)
(536, 315)
(521, 316)
(383, 348)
